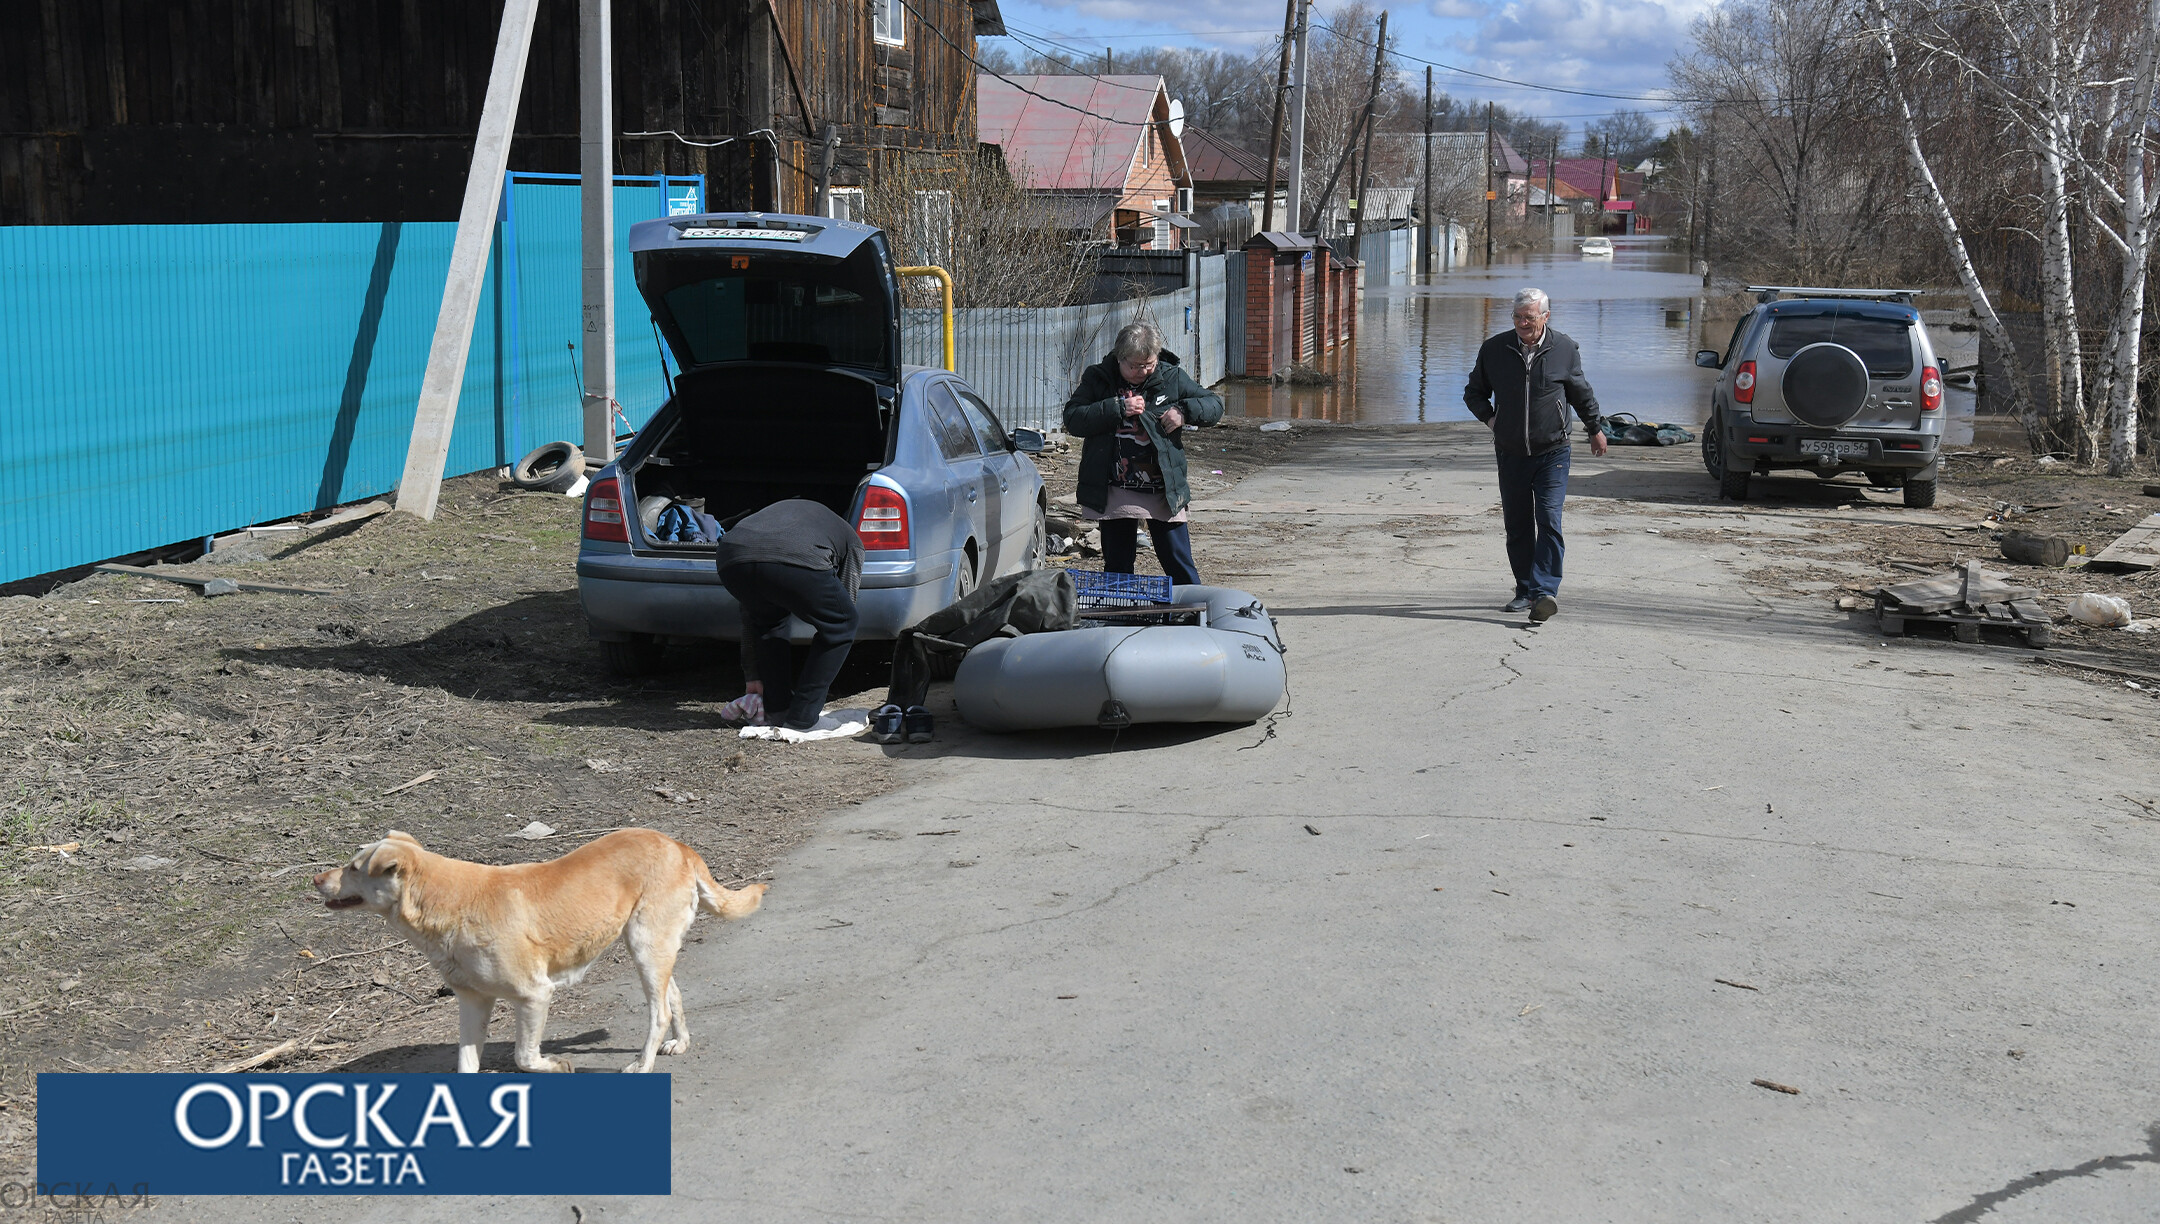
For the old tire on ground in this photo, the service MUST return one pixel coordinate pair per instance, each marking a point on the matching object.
(550, 469)
(640, 656)
(1919, 494)
(1825, 384)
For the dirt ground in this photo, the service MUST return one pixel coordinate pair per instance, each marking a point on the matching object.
(1860, 540)
(183, 765)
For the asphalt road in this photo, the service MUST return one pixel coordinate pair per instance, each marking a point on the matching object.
(1498, 924)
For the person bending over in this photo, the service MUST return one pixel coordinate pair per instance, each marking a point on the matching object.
(797, 558)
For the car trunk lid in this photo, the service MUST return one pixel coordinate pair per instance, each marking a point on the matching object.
(740, 289)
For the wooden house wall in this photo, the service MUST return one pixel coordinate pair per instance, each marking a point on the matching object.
(883, 101)
(199, 111)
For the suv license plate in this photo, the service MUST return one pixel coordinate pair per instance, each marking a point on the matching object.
(1830, 446)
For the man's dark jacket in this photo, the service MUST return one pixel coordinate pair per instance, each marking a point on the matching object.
(1094, 413)
(1522, 402)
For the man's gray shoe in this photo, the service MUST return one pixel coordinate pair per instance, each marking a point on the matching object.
(1544, 609)
(1521, 603)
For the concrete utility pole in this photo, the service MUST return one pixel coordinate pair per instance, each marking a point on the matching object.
(1296, 201)
(1426, 218)
(596, 177)
(1488, 184)
(1274, 136)
(436, 414)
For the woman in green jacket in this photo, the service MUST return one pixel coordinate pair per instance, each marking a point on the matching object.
(1133, 408)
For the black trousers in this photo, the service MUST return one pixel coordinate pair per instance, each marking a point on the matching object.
(1173, 548)
(769, 593)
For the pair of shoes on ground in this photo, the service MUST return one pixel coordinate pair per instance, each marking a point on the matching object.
(891, 724)
(838, 724)
(1542, 608)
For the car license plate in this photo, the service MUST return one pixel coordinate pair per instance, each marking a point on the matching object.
(1831, 446)
(770, 235)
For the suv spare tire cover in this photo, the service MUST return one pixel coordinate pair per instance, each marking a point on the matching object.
(1825, 384)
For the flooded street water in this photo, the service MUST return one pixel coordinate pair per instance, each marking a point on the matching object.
(1636, 315)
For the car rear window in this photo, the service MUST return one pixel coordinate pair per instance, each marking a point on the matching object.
(1884, 344)
(769, 310)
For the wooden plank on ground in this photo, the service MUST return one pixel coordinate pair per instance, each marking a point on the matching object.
(186, 578)
(2137, 548)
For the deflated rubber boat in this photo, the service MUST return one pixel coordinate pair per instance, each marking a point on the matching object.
(1210, 654)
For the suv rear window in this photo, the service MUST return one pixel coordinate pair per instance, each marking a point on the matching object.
(1884, 344)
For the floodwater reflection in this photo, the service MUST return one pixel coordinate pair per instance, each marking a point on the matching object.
(1637, 316)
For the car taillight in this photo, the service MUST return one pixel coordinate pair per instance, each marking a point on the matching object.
(1930, 389)
(603, 512)
(1743, 383)
(883, 523)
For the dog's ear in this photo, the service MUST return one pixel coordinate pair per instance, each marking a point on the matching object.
(400, 835)
(388, 856)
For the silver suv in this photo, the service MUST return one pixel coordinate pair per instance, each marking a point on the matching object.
(1830, 381)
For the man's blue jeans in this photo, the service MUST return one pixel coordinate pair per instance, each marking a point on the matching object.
(1531, 491)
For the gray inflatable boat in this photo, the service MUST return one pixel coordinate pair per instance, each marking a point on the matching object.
(1211, 655)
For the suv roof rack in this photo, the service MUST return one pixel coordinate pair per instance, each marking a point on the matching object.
(1770, 293)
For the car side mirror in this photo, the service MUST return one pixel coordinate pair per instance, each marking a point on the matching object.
(1027, 441)
(1707, 358)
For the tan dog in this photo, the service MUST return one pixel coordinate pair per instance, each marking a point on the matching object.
(523, 932)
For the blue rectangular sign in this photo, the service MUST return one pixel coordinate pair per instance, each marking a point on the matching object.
(358, 1134)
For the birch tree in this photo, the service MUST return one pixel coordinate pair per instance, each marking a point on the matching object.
(1937, 208)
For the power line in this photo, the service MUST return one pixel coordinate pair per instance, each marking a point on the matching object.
(1486, 76)
(969, 56)
(1054, 35)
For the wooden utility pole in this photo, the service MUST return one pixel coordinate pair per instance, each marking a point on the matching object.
(1552, 160)
(1488, 183)
(1296, 191)
(1364, 168)
(596, 178)
(436, 414)
(1425, 217)
(1327, 192)
(1274, 137)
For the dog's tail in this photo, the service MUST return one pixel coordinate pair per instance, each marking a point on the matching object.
(726, 902)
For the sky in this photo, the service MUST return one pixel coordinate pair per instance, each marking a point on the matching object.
(1599, 46)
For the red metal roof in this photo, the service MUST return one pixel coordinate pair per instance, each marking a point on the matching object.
(1050, 147)
(1214, 160)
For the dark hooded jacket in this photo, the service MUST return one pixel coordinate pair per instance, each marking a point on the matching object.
(1523, 401)
(1094, 414)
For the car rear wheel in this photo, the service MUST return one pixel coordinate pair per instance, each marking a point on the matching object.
(640, 656)
(1731, 484)
(1038, 542)
(1919, 494)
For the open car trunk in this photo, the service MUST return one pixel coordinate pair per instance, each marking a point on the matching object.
(740, 438)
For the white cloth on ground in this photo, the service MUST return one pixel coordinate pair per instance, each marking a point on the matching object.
(834, 724)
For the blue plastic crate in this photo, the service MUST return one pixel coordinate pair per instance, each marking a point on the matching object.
(1099, 590)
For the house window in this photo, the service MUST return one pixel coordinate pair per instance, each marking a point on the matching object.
(889, 21)
(932, 222)
(844, 203)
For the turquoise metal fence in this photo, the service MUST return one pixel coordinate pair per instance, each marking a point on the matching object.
(169, 382)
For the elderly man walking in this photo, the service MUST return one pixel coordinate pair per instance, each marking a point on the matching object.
(1516, 388)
